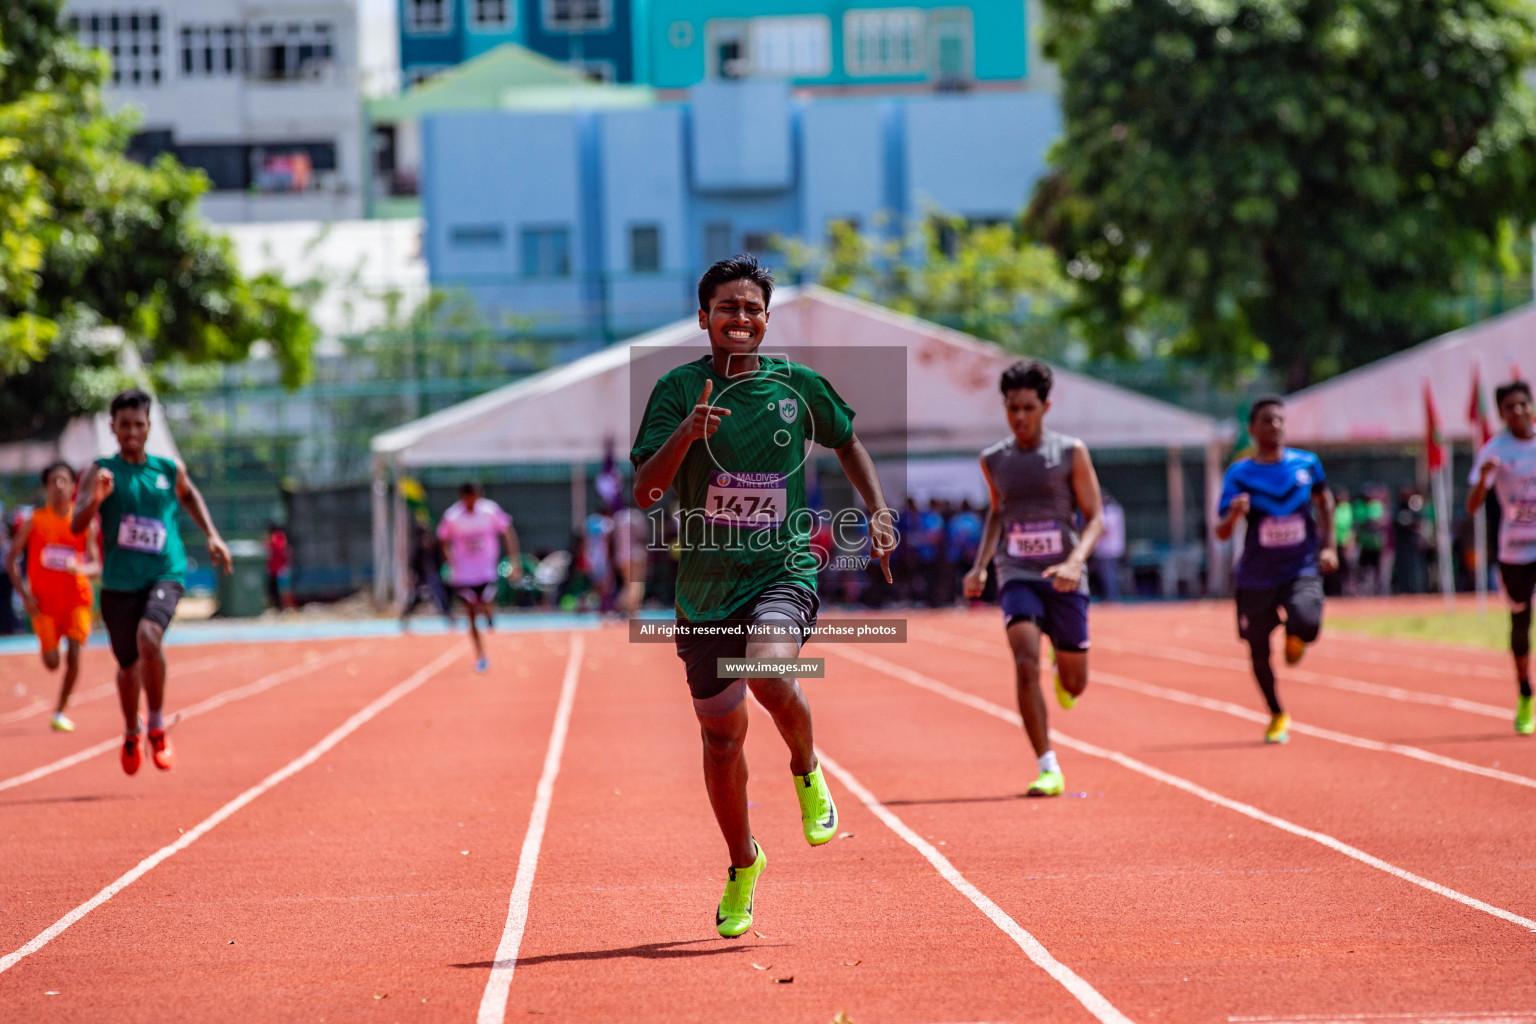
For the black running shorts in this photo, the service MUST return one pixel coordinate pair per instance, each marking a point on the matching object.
(123, 610)
(784, 604)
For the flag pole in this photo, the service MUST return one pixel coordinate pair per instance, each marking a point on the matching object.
(1443, 533)
(1480, 559)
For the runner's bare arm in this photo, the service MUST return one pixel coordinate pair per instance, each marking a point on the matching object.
(976, 580)
(18, 549)
(860, 470)
(655, 474)
(1328, 551)
(93, 490)
(1485, 474)
(92, 564)
(1090, 502)
(192, 500)
(1228, 522)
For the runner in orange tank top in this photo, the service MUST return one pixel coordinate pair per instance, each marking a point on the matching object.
(57, 588)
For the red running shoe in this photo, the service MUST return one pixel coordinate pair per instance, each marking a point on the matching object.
(164, 756)
(132, 757)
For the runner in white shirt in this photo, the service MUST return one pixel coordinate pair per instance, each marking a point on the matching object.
(1507, 465)
(473, 531)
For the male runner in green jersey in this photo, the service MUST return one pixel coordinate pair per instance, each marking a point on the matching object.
(144, 563)
(737, 463)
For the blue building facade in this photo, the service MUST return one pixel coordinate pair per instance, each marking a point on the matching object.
(598, 35)
(595, 225)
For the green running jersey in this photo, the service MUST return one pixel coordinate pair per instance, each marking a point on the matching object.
(744, 521)
(141, 543)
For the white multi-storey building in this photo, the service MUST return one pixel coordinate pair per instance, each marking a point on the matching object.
(264, 95)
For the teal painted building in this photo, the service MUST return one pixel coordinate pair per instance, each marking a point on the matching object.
(842, 46)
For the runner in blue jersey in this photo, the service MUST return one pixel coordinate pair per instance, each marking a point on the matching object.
(1289, 544)
(1507, 466)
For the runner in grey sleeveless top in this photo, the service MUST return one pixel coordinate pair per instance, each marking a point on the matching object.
(1039, 513)
(1040, 483)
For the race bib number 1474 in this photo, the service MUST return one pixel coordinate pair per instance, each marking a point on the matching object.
(752, 500)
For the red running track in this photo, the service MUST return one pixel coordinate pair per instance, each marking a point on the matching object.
(371, 805)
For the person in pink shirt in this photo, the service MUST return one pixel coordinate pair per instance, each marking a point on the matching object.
(473, 532)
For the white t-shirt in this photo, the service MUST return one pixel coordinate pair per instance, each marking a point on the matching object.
(472, 541)
(1515, 484)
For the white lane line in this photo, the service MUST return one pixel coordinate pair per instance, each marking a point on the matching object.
(40, 706)
(207, 825)
(1063, 975)
(1238, 711)
(202, 707)
(1194, 789)
(493, 1003)
(1396, 693)
(1430, 1017)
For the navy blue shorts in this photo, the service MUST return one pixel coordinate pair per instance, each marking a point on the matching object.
(1062, 617)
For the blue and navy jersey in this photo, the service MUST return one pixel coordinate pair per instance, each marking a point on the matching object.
(1281, 542)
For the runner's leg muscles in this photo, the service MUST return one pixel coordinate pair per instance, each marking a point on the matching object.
(1073, 667)
(71, 673)
(725, 780)
(1024, 639)
(785, 702)
(151, 663)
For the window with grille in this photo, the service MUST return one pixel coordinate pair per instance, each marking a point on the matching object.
(428, 17)
(793, 47)
(131, 38)
(212, 51)
(885, 41)
(645, 248)
(578, 15)
(290, 51)
(490, 14)
(547, 252)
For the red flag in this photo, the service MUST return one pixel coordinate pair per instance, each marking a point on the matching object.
(1434, 445)
(1477, 412)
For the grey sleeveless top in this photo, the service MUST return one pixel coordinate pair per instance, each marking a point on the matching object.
(1039, 508)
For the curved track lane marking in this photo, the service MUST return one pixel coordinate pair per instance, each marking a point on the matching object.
(493, 1003)
(1238, 711)
(209, 823)
(201, 707)
(1068, 979)
(37, 707)
(1195, 789)
(1316, 678)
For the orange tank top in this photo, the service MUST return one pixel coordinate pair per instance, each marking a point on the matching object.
(52, 552)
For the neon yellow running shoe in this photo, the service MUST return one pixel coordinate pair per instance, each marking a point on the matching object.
(1525, 717)
(735, 914)
(1279, 730)
(1064, 698)
(818, 814)
(1048, 784)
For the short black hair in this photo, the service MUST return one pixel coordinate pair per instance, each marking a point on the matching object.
(1263, 402)
(741, 267)
(56, 465)
(469, 487)
(1028, 373)
(1514, 387)
(133, 398)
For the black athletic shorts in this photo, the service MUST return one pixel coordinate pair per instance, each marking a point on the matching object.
(1258, 610)
(123, 610)
(784, 603)
(475, 593)
(1519, 582)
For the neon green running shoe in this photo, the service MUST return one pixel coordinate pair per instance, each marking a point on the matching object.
(735, 914)
(1279, 730)
(1525, 717)
(818, 814)
(1048, 784)
(1065, 699)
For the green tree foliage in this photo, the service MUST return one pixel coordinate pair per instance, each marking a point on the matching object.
(1302, 180)
(983, 279)
(88, 237)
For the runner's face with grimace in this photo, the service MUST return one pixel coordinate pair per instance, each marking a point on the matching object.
(737, 317)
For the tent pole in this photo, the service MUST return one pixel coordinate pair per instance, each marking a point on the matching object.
(578, 496)
(1215, 563)
(1447, 575)
(1480, 557)
(402, 560)
(382, 563)
(1175, 497)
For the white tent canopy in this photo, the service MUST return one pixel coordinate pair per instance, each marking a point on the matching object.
(1383, 402)
(571, 413)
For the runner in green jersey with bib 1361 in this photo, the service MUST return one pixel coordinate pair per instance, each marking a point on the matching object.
(729, 431)
(144, 564)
